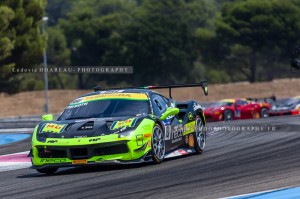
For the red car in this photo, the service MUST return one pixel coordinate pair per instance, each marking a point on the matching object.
(233, 109)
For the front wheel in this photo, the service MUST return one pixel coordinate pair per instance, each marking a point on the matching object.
(228, 115)
(158, 144)
(200, 135)
(47, 170)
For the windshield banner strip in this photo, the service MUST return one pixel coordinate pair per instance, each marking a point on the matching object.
(133, 96)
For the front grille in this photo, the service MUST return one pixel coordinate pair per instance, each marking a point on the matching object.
(51, 153)
(83, 152)
(110, 150)
(79, 153)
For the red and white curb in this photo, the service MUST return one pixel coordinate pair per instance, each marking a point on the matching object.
(14, 161)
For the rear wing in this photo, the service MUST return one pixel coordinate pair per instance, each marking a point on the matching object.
(264, 99)
(202, 84)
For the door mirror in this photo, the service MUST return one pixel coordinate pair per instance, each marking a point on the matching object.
(170, 111)
(47, 117)
(236, 105)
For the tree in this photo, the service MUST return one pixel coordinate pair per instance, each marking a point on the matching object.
(93, 30)
(21, 40)
(264, 29)
(161, 41)
(58, 53)
(58, 9)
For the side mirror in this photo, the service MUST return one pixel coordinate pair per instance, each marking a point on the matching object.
(236, 105)
(170, 111)
(47, 117)
(204, 87)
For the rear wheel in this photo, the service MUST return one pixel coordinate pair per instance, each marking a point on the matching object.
(47, 170)
(264, 112)
(228, 115)
(200, 135)
(158, 144)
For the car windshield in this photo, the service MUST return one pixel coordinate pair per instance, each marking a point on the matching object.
(293, 101)
(93, 107)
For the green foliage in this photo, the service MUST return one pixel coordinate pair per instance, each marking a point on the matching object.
(266, 28)
(57, 51)
(161, 42)
(57, 9)
(217, 76)
(165, 41)
(21, 43)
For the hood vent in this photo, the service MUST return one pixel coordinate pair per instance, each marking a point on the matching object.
(68, 127)
(87, 126)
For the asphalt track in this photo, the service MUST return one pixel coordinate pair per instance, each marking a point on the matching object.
(235, 162)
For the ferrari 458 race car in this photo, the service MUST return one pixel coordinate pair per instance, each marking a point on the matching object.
(129, 125)
(233, 109)
(290, 106)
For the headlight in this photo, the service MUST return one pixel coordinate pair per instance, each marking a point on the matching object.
(125, 133)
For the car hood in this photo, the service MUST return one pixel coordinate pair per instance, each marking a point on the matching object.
(92, 127)
(211, 109)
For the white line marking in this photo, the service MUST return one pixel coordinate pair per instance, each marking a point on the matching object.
(14, 161)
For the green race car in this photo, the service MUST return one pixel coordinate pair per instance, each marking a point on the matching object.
(129, 125)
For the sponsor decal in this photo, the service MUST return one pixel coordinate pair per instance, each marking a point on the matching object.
(191, 117)
(176, 140)
(197, 106)
(104, 95)
(52, 141)
(182, 152)
(53, 128)
(53, 160)
(86, 128)
(149, 143)
(80, 136)
(125, 123)
(94, 139)
(112, 91)
(189, 128)
(176, 134)
(79, 162)
(136, 96)
(77, 105)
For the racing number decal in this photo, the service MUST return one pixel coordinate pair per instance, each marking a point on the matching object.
(53, 128)
(237, 113)
(168, 131)
(126, 123)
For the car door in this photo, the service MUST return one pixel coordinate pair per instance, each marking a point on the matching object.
(244, 109)
(172, 127)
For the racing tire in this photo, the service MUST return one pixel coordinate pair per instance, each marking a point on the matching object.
(47, 170)
(199, 135)
(158, 144)
(264, 112)
(227, 115)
